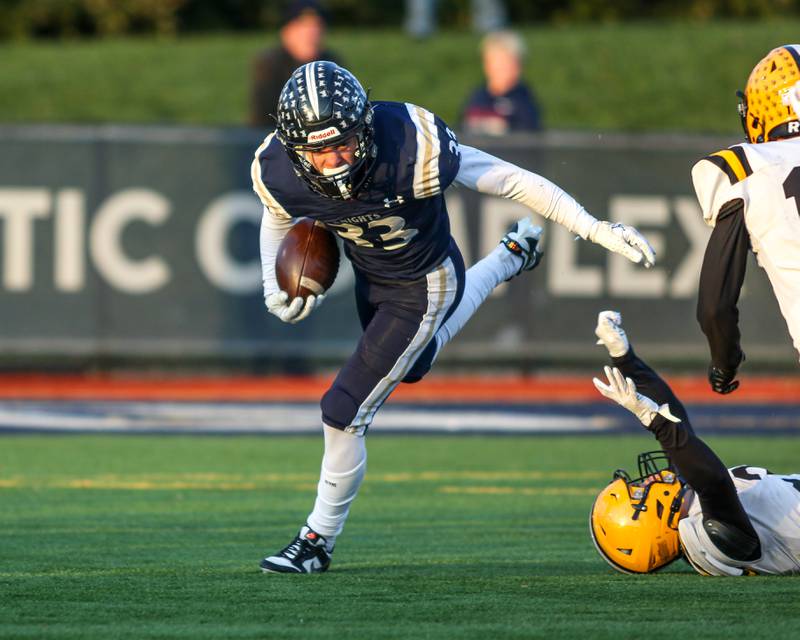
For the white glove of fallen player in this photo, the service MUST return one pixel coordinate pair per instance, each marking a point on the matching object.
(292, 312)
(624, 240)
(792, 98)
(623, 391)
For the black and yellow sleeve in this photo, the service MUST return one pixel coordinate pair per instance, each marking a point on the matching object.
(733, 162)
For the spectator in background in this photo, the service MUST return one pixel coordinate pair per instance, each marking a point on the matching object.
(302, 32)
(487, 15)
(504, 103)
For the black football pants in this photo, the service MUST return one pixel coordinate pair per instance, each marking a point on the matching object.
(400, 320)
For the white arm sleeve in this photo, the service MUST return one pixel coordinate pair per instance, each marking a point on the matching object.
(275, 223)
(487, 174)
(273, 230)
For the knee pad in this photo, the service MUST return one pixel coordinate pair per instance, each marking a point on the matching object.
(339, 408)
(733, 542)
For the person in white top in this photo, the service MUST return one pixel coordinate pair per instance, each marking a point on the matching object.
(725, 522)
(750, 196)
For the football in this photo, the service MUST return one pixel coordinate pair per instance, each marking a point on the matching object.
(308, 259)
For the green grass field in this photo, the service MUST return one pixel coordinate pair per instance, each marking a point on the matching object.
(451, 537)
(643, 76)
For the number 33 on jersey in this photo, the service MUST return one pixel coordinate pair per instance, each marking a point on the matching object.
(396, 227)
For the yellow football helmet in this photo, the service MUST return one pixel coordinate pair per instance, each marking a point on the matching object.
(765, 107)
(634, 523)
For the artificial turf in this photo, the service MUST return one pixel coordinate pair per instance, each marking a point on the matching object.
(452, 537)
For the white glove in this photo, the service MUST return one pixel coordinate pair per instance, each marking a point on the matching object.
(623, 391)
(624, 240)
(292, 312)
(792, 98)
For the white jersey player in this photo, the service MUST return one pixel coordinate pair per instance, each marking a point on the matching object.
(725, 522)
(750, 196)
(772, 502)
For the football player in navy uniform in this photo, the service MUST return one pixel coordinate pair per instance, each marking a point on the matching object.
(375, 173)
(750, 196)
(726, 522)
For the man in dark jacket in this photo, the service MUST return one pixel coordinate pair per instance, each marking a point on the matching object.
(302, 32)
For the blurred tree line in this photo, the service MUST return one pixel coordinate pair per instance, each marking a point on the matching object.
(87, 18)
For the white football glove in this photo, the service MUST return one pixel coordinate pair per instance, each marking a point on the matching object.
(623, 391)
(292, 312)
(624, 240)
(792, 98)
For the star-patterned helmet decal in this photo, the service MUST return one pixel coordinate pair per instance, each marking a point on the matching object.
(321, 104)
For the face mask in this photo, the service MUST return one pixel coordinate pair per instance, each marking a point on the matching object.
(327, 171)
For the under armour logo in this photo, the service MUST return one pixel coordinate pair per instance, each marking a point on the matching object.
(391, 203)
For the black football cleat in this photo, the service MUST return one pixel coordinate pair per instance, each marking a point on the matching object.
(307, 553)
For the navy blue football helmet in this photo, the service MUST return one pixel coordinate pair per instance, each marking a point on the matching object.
(322, 105)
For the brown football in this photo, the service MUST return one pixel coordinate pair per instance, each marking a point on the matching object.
(308, 259)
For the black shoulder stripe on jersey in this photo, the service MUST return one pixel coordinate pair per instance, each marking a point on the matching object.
(733, 162)
(748, 170)
(723, 164)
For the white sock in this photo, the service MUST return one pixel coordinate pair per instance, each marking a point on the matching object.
(481, 279)
(343, 467)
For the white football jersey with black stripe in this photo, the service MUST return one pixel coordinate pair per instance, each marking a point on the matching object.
(772, 503)
(766, 177)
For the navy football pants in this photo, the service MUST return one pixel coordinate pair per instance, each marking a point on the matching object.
(400, 320)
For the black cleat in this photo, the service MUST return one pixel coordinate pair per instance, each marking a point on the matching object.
(307, 553)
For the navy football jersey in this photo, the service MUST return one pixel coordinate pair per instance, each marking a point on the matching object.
(397, 226)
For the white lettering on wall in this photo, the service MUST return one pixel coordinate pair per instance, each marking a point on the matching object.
(69, 252)
(211, 239)
(626, 279)
(19, 208)
(105, 241)
(686, 278)
(564, 276)
(63, 218)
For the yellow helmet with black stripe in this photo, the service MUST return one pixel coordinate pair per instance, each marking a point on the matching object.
(766, 106)
(634, 522)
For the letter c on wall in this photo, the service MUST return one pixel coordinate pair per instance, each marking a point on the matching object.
(108, 255)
